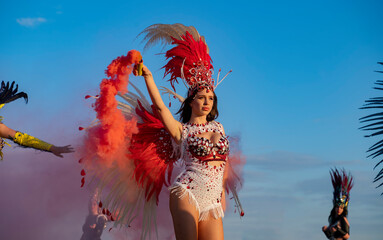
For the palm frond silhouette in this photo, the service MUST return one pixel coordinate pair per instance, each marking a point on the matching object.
(374, 124)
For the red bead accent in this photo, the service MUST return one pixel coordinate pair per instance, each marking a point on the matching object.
(100, 204)
(82, 181)
(242, 213)
(80, 128)
(82, 172)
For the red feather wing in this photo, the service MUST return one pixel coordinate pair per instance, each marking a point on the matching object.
(153, 153)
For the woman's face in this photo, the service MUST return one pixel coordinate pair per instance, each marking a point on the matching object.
(203, 102)
(93, 208)
(339, 210)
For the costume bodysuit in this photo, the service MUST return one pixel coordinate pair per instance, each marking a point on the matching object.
(201, 181)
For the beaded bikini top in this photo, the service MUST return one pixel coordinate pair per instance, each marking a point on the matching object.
(202, 148)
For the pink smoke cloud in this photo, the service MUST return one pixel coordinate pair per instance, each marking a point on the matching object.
(40, 196)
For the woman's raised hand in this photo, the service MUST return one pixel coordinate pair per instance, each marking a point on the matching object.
(145, 71)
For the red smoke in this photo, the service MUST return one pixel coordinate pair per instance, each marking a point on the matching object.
(109, 139)
(106, 145)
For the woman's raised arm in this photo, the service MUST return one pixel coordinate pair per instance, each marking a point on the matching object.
(172, 126)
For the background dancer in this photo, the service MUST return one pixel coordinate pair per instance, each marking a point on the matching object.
(95, 222)
(339, 227)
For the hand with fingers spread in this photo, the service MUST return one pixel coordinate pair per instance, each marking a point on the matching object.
(58, 151)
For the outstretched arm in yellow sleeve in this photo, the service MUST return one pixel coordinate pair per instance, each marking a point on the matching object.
(26, 140)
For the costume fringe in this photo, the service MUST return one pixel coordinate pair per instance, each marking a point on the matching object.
(216, 211)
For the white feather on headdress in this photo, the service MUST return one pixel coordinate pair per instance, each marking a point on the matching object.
(164, 32)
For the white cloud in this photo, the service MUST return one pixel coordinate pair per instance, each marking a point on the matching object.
(59, 10)
(30, 22)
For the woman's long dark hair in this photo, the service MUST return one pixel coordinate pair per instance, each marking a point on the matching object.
(185, 110)
(333, 217)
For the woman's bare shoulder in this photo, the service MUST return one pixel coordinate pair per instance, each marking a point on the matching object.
(220, 126)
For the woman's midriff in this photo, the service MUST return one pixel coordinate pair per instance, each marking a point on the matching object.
(214, 162)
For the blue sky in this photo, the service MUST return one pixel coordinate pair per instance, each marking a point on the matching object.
(300, 72)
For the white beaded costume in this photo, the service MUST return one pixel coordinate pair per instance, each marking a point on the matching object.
(201, 181)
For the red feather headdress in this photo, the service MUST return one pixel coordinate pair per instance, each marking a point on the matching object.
(342, 184)
(189, 59)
